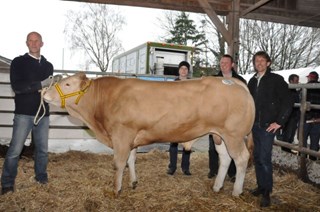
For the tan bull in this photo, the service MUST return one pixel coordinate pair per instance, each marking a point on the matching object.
(127, 113)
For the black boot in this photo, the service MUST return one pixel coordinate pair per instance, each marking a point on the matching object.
(173, 154)
(256, 192)
(6, 190)
(265, 200)
(185, 162)
(171, 171)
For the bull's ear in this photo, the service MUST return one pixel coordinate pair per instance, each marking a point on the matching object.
(84, 82)
(82, 75)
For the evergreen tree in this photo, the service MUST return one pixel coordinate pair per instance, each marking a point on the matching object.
(185, 32)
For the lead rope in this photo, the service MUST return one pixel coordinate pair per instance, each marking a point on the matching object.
(36, 120)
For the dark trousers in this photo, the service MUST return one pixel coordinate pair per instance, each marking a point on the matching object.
(312, 130)
(289, 130)
(262, 152)
(214, 160)
(173, 153)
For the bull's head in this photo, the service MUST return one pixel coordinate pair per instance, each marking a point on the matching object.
(72, 86)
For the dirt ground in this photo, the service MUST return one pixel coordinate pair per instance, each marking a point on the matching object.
(81, 181)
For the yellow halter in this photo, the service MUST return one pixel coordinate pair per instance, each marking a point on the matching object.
(64, 96)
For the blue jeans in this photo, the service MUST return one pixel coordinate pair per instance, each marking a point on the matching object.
(262, 152)
(22, 125)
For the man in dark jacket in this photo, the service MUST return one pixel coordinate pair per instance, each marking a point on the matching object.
(311, 127)
(28, 74)
(227, 71)
(289, 130)
(273, 104)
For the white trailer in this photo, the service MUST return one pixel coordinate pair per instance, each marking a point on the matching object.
(153, 58)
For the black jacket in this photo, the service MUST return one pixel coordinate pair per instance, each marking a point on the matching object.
(26, 74)
(272, 98)
(313, 96)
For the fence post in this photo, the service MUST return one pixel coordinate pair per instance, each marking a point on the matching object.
(303, 174)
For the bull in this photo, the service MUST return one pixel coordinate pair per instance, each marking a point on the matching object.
(127, 113)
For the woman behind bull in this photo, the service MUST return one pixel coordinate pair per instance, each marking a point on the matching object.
(184, 68)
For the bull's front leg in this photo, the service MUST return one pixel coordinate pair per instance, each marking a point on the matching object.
(132, 169)
(121, 155)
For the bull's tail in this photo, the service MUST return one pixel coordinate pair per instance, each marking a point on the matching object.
(250, 145)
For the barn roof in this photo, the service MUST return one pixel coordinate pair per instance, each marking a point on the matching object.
(295, 12)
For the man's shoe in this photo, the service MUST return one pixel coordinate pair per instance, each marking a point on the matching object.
(171, 171)
(43, 182)
(186, 172)
(6, 190)
(265, 200)
(256, 192)
(212, 174)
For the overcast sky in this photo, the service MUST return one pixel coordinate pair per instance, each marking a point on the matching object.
(19, 17)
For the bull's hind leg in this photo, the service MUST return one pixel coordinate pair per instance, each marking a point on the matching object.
(240, 156)
(132, 169)
(225, 161)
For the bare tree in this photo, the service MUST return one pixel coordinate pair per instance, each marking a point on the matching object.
(217, 43)
(166, 23)
(289, 46)
(94, 30)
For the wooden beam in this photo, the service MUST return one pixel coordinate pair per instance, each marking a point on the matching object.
(215, 19)
(254, 7)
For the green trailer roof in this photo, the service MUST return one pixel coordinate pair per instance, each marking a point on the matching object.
(170, 46)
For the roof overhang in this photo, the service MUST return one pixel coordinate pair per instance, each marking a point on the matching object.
(295, 12)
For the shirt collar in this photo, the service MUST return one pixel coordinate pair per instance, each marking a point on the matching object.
(35, 57)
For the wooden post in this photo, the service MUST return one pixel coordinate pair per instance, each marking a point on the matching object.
(233, 20)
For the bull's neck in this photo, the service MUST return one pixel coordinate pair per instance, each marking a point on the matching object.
(84, 108)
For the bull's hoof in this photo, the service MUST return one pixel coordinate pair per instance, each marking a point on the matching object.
(117, 193)
(134, 184)
(236, 193)
(216, 189)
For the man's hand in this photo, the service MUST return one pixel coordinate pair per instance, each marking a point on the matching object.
(57, 78)
(46, 82)
(273, 127)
